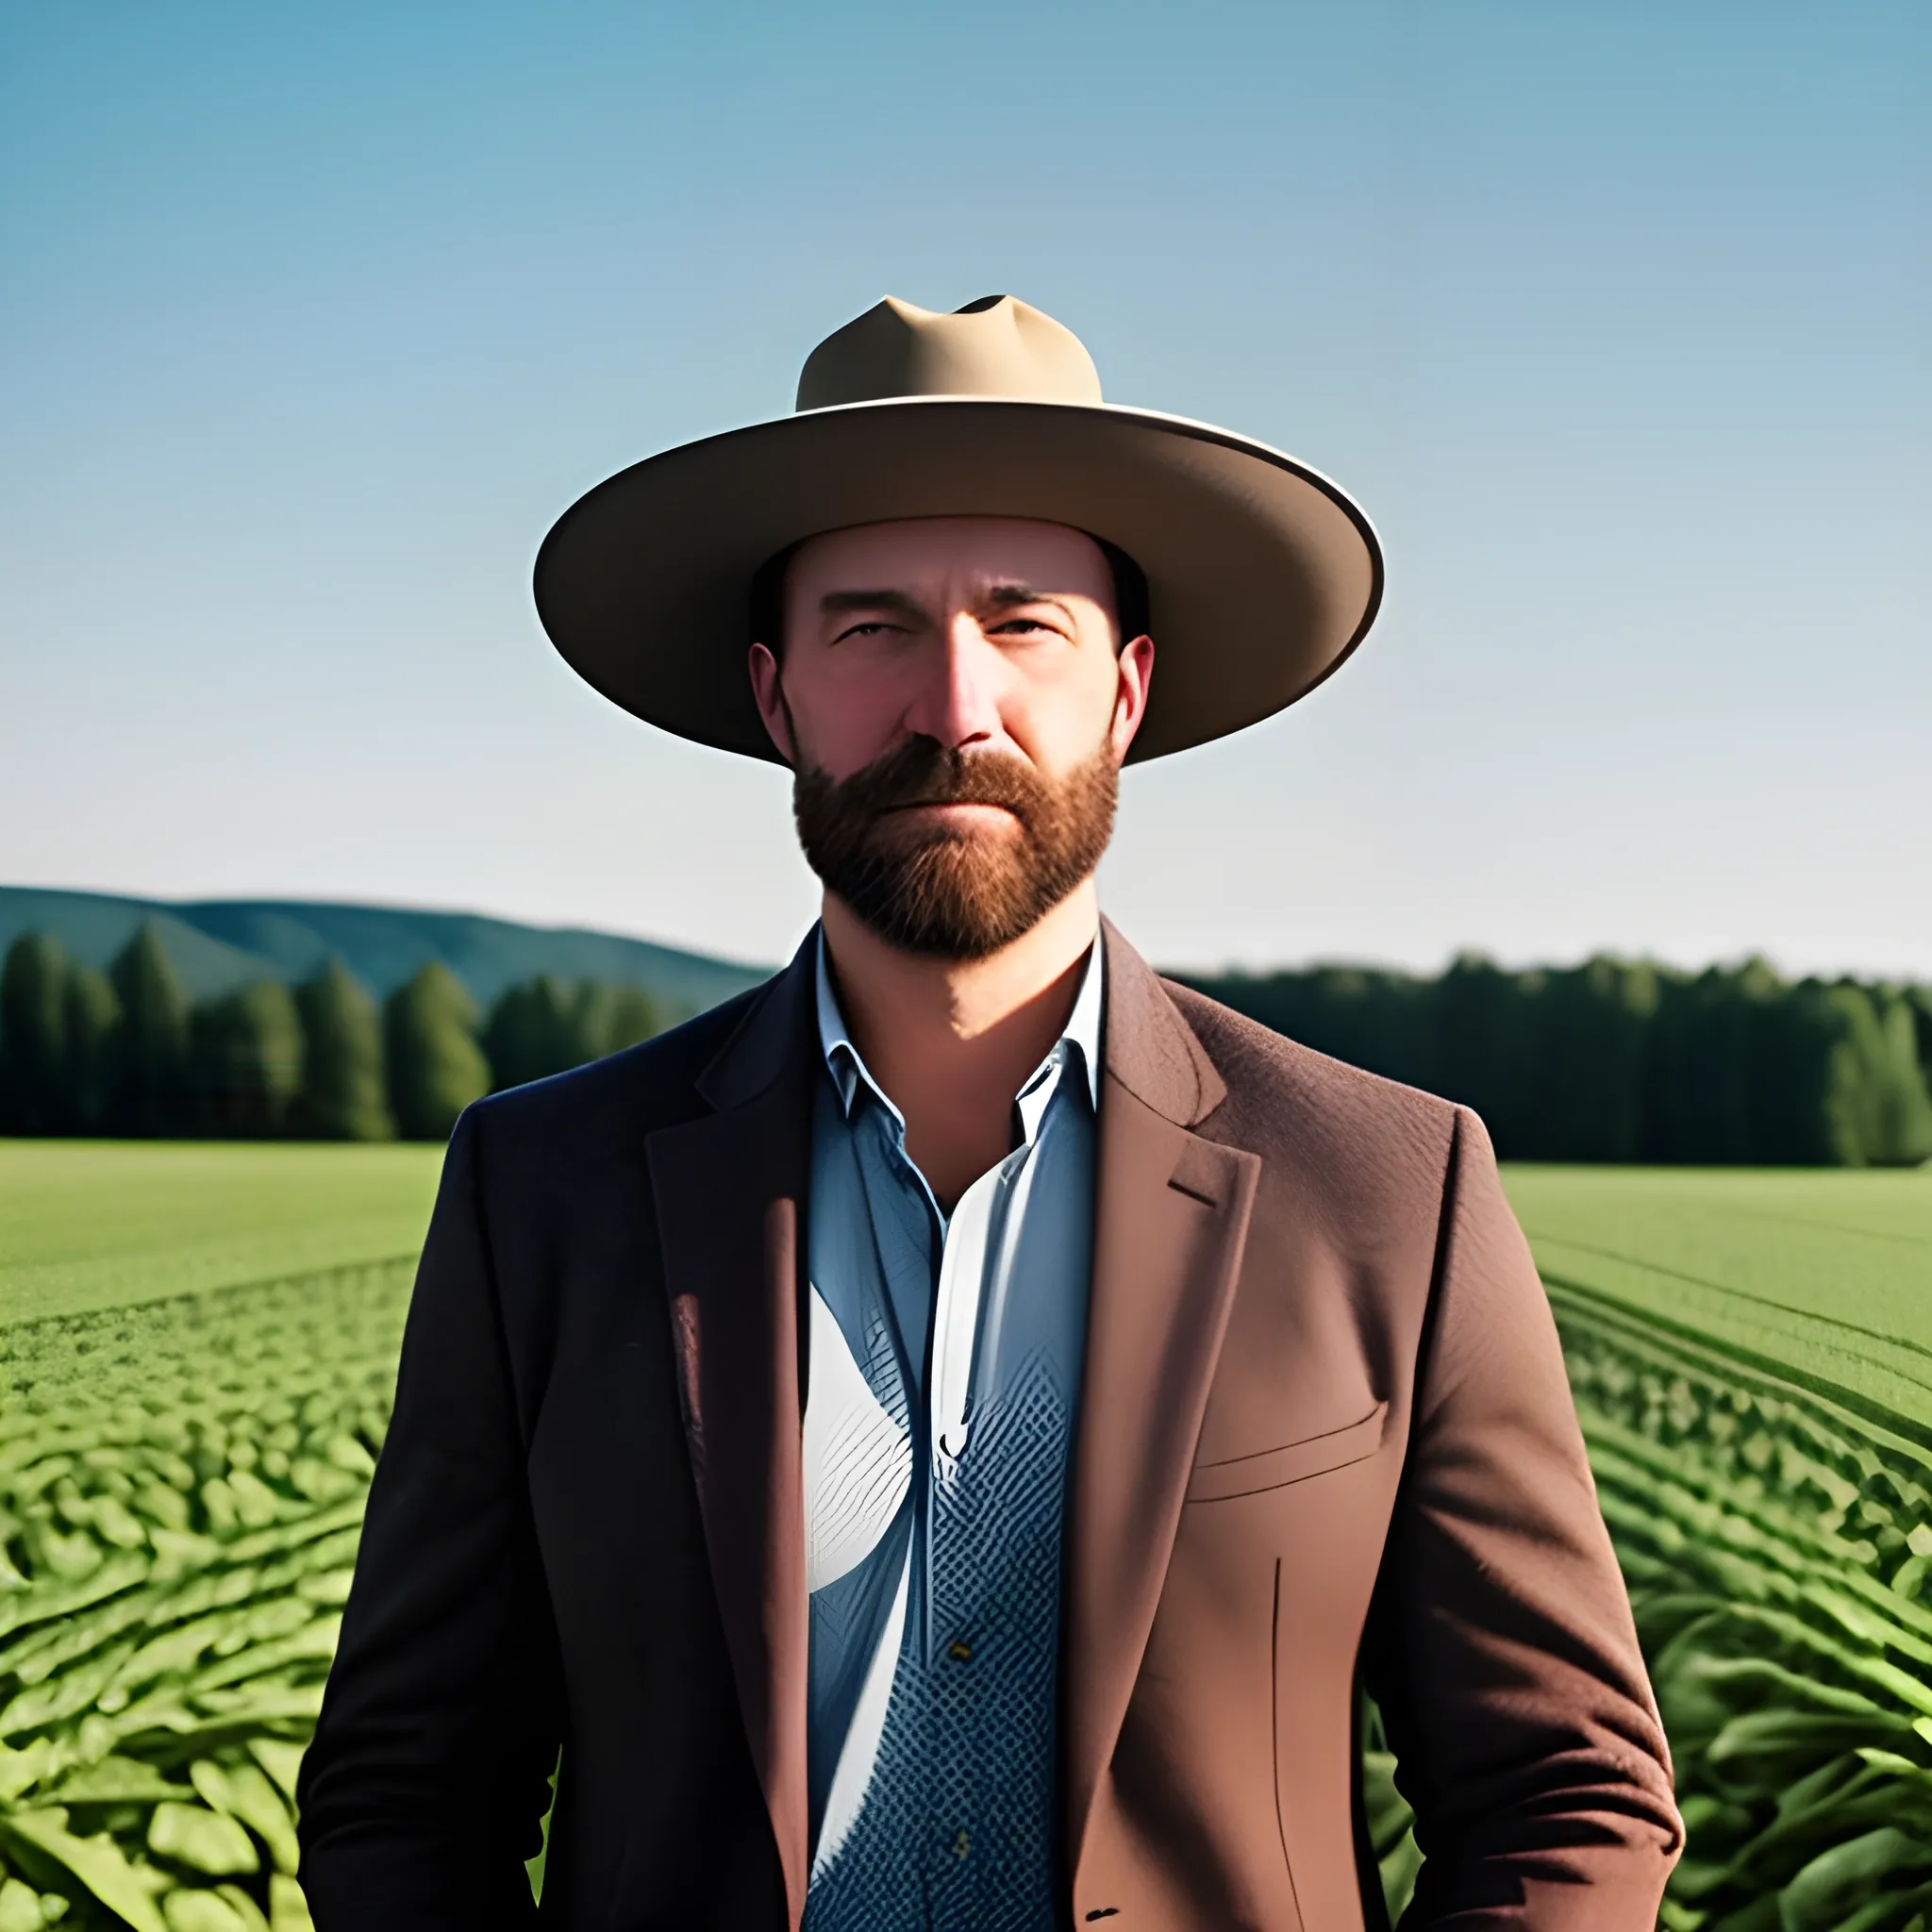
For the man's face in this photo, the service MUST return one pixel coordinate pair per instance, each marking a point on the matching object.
(952, 698)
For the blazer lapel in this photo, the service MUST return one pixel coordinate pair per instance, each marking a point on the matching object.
(732, 1189)
(1170, 1218)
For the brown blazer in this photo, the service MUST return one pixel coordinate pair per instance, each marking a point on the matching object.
(1325, 1442)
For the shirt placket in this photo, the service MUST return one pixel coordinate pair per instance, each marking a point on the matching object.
(960, 1676)
(949, 1375)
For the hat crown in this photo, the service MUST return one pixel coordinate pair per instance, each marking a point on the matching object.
(996, 346)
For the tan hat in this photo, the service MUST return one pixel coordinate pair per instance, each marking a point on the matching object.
(1262, 577)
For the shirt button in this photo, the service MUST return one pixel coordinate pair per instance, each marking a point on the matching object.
(962, 1845)
(960, 1652)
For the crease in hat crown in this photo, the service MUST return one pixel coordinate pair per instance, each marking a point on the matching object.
(996, 346)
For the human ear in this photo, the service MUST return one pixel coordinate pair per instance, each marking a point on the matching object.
(769, 694)
(1135, 668)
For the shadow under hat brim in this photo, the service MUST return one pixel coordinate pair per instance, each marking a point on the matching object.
(1262, 575)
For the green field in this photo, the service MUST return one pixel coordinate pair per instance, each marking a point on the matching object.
(197, 1354)
(103, 1224)
(197, 1349)
(1824, 1275)
(1749, 1353)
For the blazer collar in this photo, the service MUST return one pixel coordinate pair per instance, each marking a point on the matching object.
(1146, 1044)
(1079, 1039)
(765, 1042)
(1150, 1049)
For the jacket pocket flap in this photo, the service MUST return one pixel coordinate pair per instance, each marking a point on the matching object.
(1293, 1462)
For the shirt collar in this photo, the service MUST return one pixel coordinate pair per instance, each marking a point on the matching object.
(1080, 1038)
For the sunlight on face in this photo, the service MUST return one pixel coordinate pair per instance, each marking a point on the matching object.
(984, 633)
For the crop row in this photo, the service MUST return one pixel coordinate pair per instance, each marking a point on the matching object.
(181, 1490)
(1777, 1544)
(181, 1486)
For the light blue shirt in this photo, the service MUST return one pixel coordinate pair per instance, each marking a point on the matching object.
(946, 1357)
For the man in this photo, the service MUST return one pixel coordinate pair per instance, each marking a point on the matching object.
(949, 1438)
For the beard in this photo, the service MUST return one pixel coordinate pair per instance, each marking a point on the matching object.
(944, 891)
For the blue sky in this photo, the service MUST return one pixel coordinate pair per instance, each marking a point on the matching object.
(1616, 317)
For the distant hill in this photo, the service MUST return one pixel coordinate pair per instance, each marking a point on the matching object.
(219, 943)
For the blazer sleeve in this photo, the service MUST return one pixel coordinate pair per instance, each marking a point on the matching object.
(423, 1789)
(1501, 1647)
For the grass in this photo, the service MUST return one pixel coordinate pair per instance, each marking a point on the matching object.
(1824, 1276)
(90, 1225)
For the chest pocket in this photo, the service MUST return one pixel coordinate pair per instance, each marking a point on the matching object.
(1293, 1462)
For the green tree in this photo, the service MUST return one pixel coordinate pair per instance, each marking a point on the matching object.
(94, 1042)
(1874, 1102)
(1910, 1081)
(621, 1016)
(1918, 1003)
(152, 1059)
(344, 1097)
(1620, 1063)
(1723, 1076)
(1590, 1024)
(435, 1066)
(535, 1030)
(245, 1062)
(1487, 1021)
(1748, 1069)
(33, 1036)
(1385, 1021)
(548, 1025)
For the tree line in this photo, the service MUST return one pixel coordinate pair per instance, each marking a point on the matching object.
(1630, 1062)
(1606, 1061)
(126, 1053)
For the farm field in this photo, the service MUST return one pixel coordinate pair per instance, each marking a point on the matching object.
(89, 1224)
(1822, 1275)
(197, 1348)
(1749, 1354)
(197, 1354)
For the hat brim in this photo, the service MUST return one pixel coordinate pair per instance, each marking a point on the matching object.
(1262, 575)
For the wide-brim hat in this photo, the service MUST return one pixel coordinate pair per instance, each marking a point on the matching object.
(1262, 575)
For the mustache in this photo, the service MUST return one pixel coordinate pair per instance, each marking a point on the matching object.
(919, 770)
(953, 898)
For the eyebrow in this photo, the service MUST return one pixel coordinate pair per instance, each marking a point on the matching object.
(1002, 597)
(833, 602)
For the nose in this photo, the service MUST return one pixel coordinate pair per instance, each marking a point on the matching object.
(958, 701)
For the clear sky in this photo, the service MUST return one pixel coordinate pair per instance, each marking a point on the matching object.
(1616, 318)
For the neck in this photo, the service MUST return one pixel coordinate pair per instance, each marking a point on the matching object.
(950, 1041)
